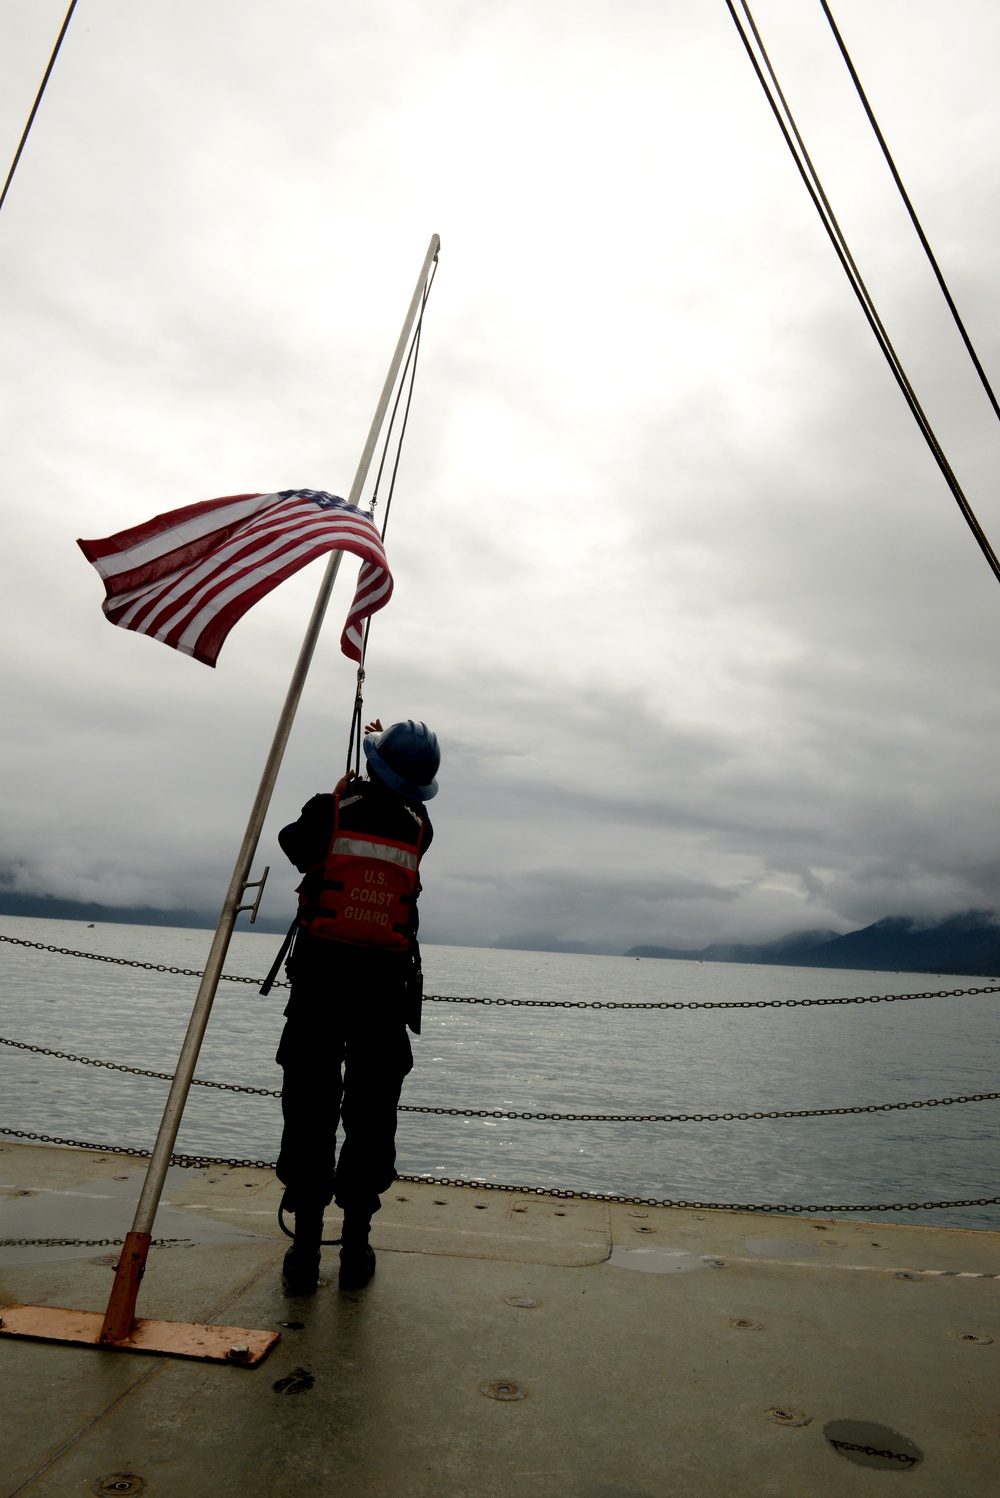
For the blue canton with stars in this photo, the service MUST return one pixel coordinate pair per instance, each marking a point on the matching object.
(319, 497)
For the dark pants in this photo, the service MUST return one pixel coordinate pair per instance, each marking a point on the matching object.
(347, 1071)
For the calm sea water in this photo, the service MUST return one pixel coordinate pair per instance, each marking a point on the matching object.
(559, 1060)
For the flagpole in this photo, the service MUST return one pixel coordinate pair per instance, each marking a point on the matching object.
(121, 1304)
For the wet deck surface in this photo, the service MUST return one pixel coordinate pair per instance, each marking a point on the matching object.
(636, 1353)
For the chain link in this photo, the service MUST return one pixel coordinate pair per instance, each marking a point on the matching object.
(61, 1242)
(513, 1113)
(811, 1209)
(149, 967)
(186, 1162)
(932, 1102)
(873, 998)
(438, 998)
(81, 1242)
(903, 1457)
(136, 1071)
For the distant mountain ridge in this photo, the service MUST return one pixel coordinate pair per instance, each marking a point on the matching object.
(962, 944)
(49, 907)
(968, 943)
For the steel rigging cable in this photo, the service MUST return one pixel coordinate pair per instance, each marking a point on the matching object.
(793, 139)
(911, 211)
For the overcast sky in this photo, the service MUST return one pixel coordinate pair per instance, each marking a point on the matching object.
(709, 650)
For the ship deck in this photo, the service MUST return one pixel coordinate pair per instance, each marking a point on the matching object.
(509, 1345)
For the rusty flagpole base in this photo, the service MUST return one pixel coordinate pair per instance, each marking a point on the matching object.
(179, 1339)
(120, 1314)
(118, 1328)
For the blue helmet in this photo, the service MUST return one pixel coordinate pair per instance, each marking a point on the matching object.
(405, 758)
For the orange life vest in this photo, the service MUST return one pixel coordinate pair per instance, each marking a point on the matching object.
(368, 888)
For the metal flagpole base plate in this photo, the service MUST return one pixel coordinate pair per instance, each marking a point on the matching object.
(178, 1339)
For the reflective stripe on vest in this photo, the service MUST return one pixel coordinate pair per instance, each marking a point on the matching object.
(369, 886)
(367, 847)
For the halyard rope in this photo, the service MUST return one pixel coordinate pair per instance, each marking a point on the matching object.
(409, 369)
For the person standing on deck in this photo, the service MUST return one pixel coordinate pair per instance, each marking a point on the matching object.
(355, 989)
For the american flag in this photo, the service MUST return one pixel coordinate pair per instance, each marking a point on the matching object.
(186, 577)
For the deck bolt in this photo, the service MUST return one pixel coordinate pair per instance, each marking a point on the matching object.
(785, 1415)
(238, 1353)
(502, 1388)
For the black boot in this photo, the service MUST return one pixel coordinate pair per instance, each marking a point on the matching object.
(357, 1257)
(301, 1265)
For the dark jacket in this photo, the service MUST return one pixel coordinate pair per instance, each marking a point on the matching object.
(325, 971)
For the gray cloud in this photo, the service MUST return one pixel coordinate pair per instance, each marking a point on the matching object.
(709, 650)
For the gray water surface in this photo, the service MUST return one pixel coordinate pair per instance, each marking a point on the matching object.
(593, 1061)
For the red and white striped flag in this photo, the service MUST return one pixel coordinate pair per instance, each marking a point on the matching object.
(186, 577)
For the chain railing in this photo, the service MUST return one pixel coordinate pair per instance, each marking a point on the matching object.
(87, 1242)
(135, 1071)
(438, 998)
(202, 1161)
(810, 1209)
(514, 1113)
